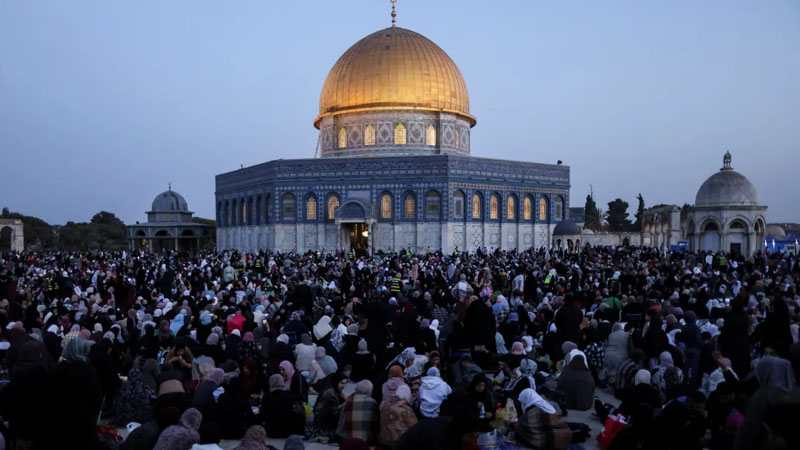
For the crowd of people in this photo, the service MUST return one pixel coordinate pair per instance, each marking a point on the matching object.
(430, 351)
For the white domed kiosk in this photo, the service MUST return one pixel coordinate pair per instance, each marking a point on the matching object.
(726, 215)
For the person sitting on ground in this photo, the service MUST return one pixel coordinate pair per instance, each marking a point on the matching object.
(183, 435)
(540, 425)
(280, 412)
(432, 393)
(576, 382)
(360, 417)
(397, 417)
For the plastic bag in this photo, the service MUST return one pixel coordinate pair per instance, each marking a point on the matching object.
(611, 427)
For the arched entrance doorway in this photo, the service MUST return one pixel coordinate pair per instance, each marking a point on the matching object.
(163, 241)
(187, 242)
(355, 228)
(737, 237)
(710, 237)
(141, 241)
(6, 238)
(11, 235)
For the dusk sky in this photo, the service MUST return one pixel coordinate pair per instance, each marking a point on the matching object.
(102, 103)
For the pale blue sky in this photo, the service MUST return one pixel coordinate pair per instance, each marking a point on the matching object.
(104, 102)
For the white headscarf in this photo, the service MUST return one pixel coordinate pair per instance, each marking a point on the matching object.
(572, 354)
(435, 327)
(528, 397)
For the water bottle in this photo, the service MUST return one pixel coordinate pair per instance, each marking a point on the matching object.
(482, 414)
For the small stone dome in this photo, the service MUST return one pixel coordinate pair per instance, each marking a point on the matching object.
(169, 201)
(566, 228)
(776, 231)
(726, 187)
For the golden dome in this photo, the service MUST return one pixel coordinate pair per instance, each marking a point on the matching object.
(394, 69)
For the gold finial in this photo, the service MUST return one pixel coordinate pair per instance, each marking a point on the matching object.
(394, 13)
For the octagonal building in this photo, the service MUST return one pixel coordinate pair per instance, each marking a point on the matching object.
(394, 168)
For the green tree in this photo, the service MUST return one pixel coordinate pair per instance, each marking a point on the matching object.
(204, 221)
(618, 215)
(637, 226)
(108, 232)
(593, 220)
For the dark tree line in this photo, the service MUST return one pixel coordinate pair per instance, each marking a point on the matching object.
(615, 218)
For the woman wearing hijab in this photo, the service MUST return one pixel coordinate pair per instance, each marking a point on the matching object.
(305, 352)
(279, 351)
(693, 342)
(293, 381)
(278, 411)
(396, 379)
(77, 398)
(576, 382)
(249, 349)
(655, 340)
(617, 351)
(204, 396)
(666, 376)
(539, 424)
(734, 339)
(480, 390)
(777, 386)
(149, 367)
(521, 378)
(397, 417)
(362, 363)
(254, 439)
(360, 416)
(433, 391)
(595, 351)
(328, 407)
(251, 377)
(134, 401)
(183, 435)
(201, 367)
(641, 392)
(176, 324)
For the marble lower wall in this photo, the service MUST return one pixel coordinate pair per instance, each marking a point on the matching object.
(387, 237)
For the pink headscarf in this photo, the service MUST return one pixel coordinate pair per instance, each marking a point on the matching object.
(289, 369)
(517, 348)
(249, 337)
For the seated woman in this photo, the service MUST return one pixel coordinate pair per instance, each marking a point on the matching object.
(576, 382)
(432, 393)
(328, 407)
(397, 417)
(360, 415)
(394, 381)
(322, 367)
(641, 392)
(277, 410)
(295, 383)
(481, 392)
(539, 424)
(666, 376)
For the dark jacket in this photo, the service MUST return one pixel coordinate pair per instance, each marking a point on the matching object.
(280, 419)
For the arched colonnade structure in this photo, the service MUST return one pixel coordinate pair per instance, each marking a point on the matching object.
(12, 236)
(169, 226)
